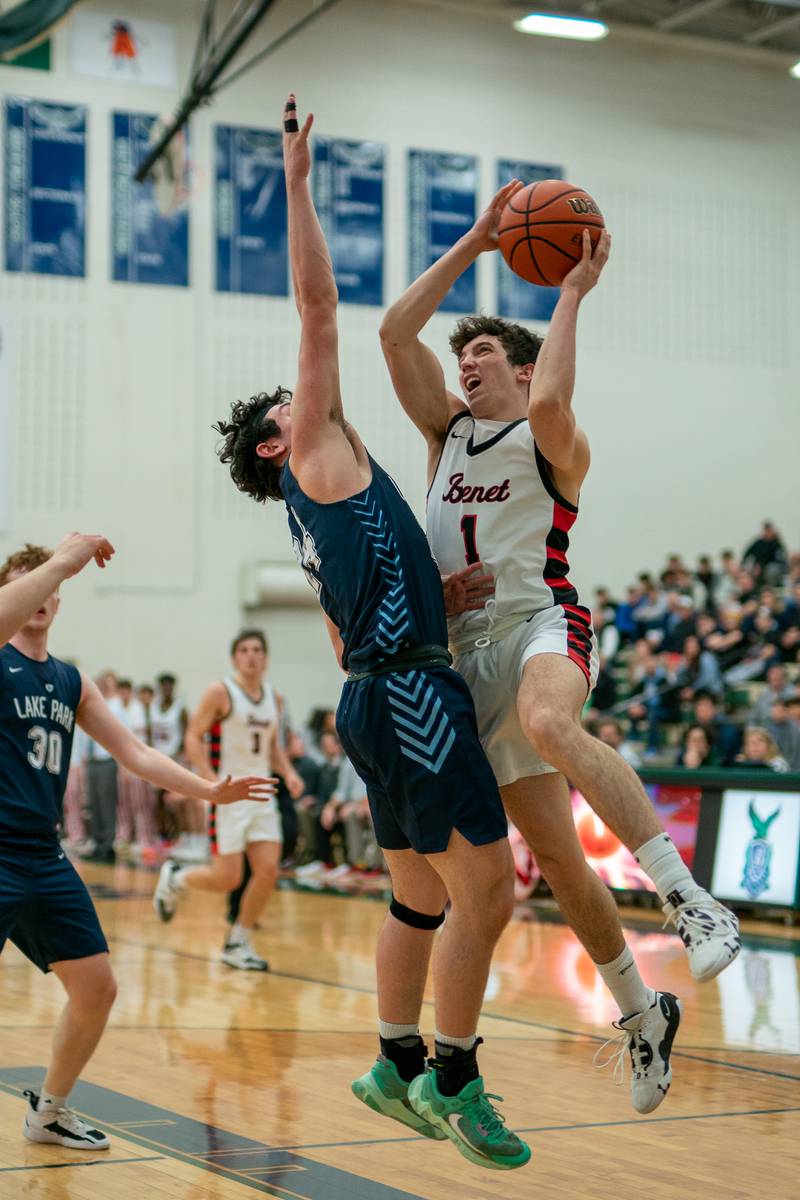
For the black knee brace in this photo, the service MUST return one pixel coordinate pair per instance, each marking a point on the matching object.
(410, 916)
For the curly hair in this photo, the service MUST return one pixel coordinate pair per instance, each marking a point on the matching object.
(258, 477)
(521, 346)
(27, 559)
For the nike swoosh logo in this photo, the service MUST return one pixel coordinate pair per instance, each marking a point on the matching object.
(14, 670)
(463, 436)
(61, 856)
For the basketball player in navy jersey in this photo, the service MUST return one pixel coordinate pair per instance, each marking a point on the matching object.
(45, 908)
(405, 719)
(506, 461)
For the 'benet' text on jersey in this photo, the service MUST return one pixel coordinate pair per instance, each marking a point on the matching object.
(38, 703)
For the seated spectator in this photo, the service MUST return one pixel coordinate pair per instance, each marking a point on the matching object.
(727, 589)
(625, 618)
(678, 623)
(321, 720)
(699, 671)
(722, 735)
(319, 819)
(784, 729)
(766, 557)
(790, 626)
(603, 600)
(748, 592)
(656, 703)
(727, 641)
(697, 749)
(609, 731)
(762, 647)
(759, 750)
(651, 610)
(778, 688)
(352, 809)
(706, 625)
(608, 639)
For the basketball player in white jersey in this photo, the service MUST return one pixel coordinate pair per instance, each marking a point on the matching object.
(506, 461)
(168, 722)
(245, 709)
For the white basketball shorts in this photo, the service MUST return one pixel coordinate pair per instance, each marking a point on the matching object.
(235, 826)
(493, 673)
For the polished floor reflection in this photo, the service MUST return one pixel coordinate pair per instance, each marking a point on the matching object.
(216, 1084)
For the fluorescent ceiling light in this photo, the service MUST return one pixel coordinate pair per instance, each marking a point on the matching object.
(795, 70)
(564, 27)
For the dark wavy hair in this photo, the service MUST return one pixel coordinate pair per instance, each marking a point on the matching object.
(258, 477)
(521, 346)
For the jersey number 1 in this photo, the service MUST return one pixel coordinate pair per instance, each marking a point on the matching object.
(468, 526)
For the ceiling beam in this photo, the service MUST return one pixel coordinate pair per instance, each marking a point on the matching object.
(772, 30)
(692, 12)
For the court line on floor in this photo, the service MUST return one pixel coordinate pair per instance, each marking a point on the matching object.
(750, 1112)
(351, 987)
(93, 1162)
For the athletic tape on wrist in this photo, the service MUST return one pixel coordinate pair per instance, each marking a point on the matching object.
(416, 920)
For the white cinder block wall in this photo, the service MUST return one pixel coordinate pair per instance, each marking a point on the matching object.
(689, 354)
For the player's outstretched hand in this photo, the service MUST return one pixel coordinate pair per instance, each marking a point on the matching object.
(484, 231)
(75, 550)
(245, 787)
(585, 275)
(296, 152)
(467, 590)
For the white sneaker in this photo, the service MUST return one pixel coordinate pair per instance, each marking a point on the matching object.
(708, 930)
(60, 1125)
(648, 1037)
(312, 868)
(165, 897)
(242, 956)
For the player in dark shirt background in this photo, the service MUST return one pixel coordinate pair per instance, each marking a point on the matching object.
(45, 908)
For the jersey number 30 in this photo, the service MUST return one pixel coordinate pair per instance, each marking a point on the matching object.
(46, 749)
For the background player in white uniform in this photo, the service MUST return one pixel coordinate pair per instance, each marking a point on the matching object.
(168, 721)
(244, 706)
(506, 464)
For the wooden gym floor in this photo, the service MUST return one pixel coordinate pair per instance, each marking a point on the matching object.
(219, 1085)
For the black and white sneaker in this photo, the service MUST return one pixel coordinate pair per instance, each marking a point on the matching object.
(708, 930)
(648, 1038)
(60, 1126)
(242, 956)
(165, 897)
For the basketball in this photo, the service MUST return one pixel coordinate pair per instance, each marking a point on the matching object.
(596, 840)
(541, 229)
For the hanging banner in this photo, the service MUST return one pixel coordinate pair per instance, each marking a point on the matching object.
(123, 48)
(516, 298)
(348, 194)
(45, 187)
(148, 243)
(6, 428)
(442, 192)
(252, 241)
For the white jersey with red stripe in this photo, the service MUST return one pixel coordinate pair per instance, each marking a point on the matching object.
(493, 500)
(246, 733)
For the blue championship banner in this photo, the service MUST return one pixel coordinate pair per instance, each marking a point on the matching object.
(45, 187)
(348, 193)
(251, 235)
(441, 208)
(148, 245)
(516, 298)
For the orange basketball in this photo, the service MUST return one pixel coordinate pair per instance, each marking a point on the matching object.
(541, 230)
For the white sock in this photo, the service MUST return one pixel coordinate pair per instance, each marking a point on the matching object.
(178, 878)
(465, 1043)
(239, 936)
(673, 880)
(47, 1098)
(623, 980)
(390, 1032)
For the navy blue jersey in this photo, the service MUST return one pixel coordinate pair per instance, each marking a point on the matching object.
(370, 563)
(38, 702)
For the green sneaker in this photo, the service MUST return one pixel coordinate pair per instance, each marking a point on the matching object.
(382, 1090)
(470, 1121)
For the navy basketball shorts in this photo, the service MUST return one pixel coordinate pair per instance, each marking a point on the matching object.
(45, 909)
(413, 739)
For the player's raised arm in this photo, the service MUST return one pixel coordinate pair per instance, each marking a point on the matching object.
(100, 723)
(550, 413)
(317, 399)
(22, 597)
(416, 372)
